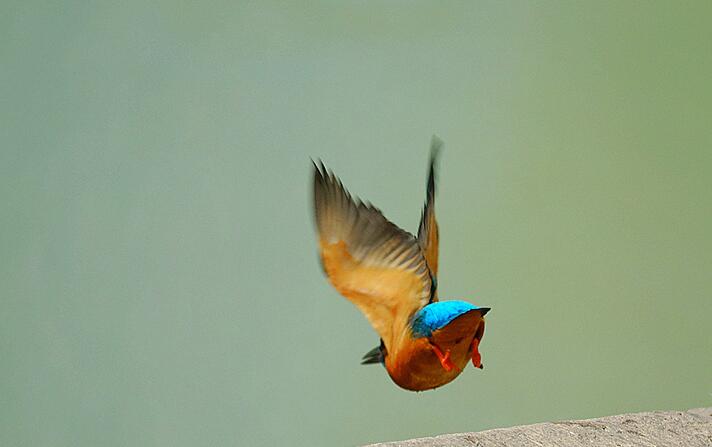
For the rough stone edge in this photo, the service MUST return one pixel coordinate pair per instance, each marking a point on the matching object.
(689, 428)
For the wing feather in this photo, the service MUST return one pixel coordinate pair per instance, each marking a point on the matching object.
(368, 259)
(428, 235)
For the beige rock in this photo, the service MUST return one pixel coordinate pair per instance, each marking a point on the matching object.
(690, 428)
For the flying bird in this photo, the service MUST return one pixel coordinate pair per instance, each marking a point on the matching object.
(391, 276)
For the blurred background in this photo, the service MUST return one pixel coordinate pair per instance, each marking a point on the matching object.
(159, 282)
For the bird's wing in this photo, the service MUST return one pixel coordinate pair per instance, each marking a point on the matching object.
(369, 260)
(428, 229)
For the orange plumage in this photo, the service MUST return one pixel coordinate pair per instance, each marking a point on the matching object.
(390, 275)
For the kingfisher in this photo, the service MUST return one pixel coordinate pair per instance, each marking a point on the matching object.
(391, 276)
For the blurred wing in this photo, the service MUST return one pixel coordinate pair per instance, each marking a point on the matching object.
(369, 260)
(428, 229)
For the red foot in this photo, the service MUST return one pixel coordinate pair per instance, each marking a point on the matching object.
(445, 361)
(476, 357)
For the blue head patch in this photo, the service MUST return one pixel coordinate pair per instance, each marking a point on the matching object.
(437, 315)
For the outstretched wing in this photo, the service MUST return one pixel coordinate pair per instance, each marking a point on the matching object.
(428, 229)
(369, 260)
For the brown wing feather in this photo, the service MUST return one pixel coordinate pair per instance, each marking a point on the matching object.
(428, 229)
(369, 260)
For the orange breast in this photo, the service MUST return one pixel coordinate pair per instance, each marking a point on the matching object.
(416, 367)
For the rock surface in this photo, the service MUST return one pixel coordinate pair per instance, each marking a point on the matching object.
(690, 428)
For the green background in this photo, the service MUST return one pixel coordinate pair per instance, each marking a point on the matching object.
(159, 279)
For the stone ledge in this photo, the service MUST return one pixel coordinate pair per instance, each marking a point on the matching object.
(690, 428)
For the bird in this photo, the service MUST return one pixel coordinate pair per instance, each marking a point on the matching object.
(391, 277)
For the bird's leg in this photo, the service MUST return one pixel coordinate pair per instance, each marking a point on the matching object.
(445, 360)
(476, 357)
